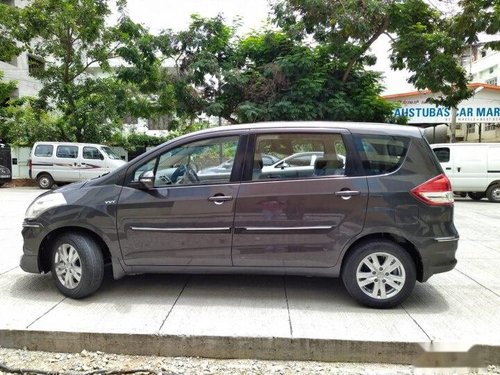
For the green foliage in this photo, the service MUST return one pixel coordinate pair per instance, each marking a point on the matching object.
(76, 45)
(422, 40)
(23, 124)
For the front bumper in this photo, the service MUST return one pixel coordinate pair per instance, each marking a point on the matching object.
(32, 234)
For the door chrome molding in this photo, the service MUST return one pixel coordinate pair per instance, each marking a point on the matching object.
(152, 229)
(288, 229)
(446, 239)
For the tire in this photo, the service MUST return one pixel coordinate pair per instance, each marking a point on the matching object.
(493, 193)
(88, 264)
(476, 196)
(403, 277)
(45, 181)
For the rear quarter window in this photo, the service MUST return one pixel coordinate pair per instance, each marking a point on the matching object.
(44, 150)
(381, 154)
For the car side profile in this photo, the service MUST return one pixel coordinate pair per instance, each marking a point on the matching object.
(375, 209)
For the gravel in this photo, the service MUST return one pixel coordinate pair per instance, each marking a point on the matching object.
(103, 363)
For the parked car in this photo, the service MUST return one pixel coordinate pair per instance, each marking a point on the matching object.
(61, 162)
(5, 175)
(473, 168)
(382, 224)
(226, 168)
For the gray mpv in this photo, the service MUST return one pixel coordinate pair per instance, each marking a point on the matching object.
(365, 202)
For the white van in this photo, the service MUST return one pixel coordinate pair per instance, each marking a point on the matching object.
(60, 162)
(473, 168)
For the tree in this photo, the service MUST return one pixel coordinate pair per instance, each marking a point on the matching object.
(421, 38)
(76, 46)
(265, 76)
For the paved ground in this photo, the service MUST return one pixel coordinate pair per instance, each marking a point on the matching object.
(452, 311)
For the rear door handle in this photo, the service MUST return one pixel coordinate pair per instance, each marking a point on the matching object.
(448, 169)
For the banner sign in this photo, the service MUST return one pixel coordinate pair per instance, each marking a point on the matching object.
(431, 114)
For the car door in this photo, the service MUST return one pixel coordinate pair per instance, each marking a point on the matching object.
(67, 161)
(92, 163)
(184, 220)
(301, 221)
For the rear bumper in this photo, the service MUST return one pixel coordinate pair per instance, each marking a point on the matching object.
(440, 256)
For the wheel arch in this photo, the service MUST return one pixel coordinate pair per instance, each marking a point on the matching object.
(45, 246)
(407, 245)
(492, 183)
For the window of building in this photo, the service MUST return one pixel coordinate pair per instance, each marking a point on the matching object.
(490, 126)
(471, 128)
(492, 81)
(35, 64)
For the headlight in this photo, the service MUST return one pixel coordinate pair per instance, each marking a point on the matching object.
(43, 204)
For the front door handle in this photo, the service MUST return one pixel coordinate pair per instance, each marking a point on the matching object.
(219, 199)
(347, 194)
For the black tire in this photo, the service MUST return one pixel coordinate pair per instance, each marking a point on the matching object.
(358, 258)
(493, 193)
(475, 195)
(90, 262)
(45, 181)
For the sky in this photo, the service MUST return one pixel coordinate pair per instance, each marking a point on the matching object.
(175, 14)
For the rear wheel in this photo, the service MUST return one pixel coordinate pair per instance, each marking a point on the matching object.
(379, 274)
(476, 196)
(45, 181)
(493, 193)
(77, 265)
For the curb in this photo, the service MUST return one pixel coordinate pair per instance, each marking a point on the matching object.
(264, 348)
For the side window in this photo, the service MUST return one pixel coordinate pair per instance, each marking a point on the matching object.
(443, 154)
(91, 153)
(201, 162)
(381, 154)
(44, 150)
(69, 152)
(298, 155)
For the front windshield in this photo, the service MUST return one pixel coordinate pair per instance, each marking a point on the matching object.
(111, 154)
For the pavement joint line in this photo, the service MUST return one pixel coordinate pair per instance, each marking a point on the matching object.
(45, 313)
(288, 308)
(478, 283)
(12, 269)
(175, 303)
(418, 325)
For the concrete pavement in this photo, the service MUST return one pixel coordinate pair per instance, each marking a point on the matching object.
(260, 316)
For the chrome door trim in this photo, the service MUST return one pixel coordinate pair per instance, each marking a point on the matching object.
(272, 229)
(153, 229)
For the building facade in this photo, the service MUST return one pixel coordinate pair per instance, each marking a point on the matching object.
(18, 68)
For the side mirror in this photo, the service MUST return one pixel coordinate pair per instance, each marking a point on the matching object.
(147, 180)
(101, 156)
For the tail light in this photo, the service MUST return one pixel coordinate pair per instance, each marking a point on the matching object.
(435, 192)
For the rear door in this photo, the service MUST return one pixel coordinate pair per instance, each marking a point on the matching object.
(285, 220)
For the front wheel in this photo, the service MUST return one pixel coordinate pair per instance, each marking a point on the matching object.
(77, 265)
(493, 193)
(379, 274)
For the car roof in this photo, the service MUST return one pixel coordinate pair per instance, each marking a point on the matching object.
(68, 144)
(354, 127)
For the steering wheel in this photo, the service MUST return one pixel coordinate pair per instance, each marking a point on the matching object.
(178, 174)
(183, 173)
(191, 174)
